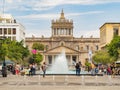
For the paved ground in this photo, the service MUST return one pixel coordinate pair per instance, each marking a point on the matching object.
(14, 82)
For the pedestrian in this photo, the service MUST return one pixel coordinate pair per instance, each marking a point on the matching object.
(44, 67)
(77, 66)
(30, 70)
(34, 69)
(17, 69)
(109, 70)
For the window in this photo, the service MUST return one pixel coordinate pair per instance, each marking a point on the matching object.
(97, 47)
(50, 59)
(5, 30)
(14, 30)
(115, 31)
(0, 30)
(87, 47)
(9, 30)
(74, 59)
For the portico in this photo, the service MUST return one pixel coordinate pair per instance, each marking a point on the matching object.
(72, 55)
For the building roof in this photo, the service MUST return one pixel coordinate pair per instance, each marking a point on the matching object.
(109, 23)
(58, 49)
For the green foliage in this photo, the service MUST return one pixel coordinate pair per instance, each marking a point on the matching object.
(36, 58)
(88, 64)
(103, 57)
(4, 48)
(13, 50)
(114, 46)
(38, 46)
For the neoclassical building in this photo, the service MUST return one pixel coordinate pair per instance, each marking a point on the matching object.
(76, 49)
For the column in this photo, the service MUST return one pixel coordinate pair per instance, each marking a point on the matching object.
(71, 62)
(71, 31)
(46, 59)
(53, 32)
(67, 32)
(53, 59)
(64, 31)
(57, 31)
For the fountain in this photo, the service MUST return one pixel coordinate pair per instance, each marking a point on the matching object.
(60, 65)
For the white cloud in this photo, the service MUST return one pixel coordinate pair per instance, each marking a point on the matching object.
(50, 16)
(9, 1)
(48, 4)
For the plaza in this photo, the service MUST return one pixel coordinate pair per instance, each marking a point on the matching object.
(64, 82)
(80, 30)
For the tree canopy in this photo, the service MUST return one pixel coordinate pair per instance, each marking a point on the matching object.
(103, 57)
(13, 50)
(38, 46)
(114, 47)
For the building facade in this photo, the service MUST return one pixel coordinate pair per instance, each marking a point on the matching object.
(10, 28)
(107, 32)
(76, 49)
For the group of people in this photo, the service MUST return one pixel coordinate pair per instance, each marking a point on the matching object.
(31, 70)
(18, 69)
(15, 69)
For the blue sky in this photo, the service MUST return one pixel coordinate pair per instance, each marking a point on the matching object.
(87, 15)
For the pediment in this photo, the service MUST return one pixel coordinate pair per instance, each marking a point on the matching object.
(60, 49)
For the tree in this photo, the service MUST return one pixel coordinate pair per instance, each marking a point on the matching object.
(38, 46)
(13, 50)
(114, 47)
(103, 57)
(38, 58)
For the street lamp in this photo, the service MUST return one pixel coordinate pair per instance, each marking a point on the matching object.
(4, 67)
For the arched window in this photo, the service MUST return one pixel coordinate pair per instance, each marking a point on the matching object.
(97, 47)
(87, 47)
(62, 43)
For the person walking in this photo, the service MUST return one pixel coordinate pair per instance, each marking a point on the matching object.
(44, 67)
(77, 66)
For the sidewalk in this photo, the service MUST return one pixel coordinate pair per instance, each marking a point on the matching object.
(15, 82)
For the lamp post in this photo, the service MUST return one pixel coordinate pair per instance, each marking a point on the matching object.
(4, 67)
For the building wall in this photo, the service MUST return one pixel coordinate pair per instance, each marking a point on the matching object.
(9, 24)
(107, 33)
